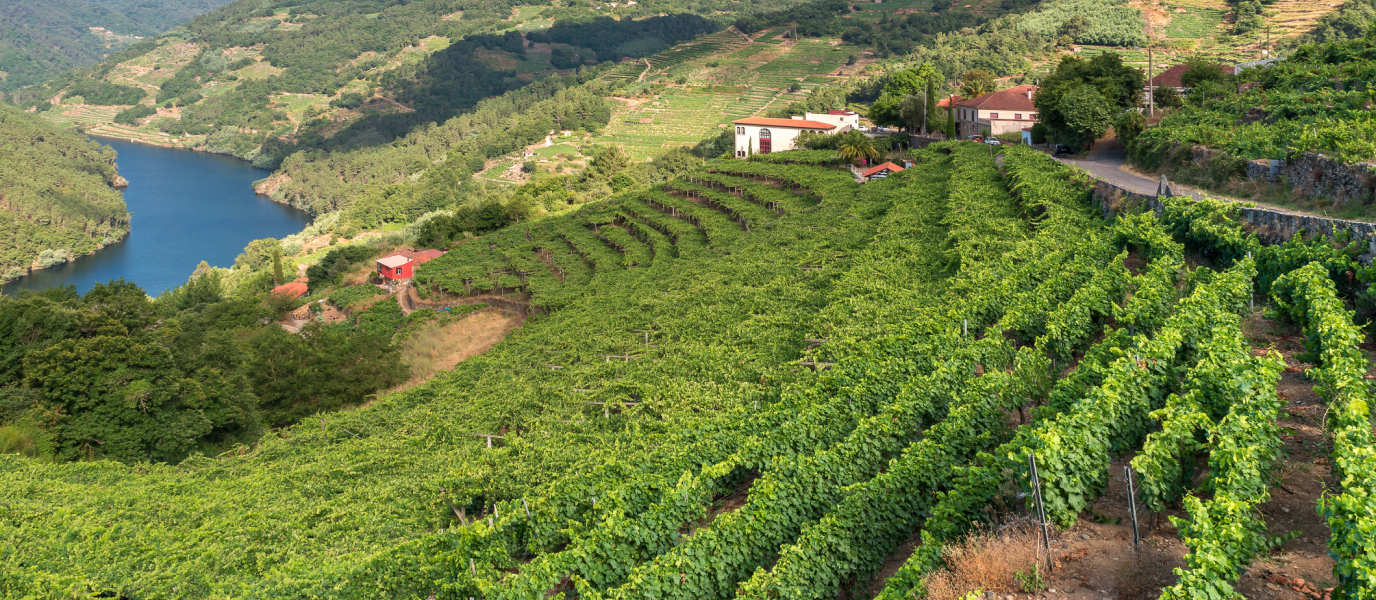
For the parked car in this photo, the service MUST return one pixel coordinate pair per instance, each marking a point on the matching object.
(976, 138)
(1062, 149)
(994, 142)
(863, 128)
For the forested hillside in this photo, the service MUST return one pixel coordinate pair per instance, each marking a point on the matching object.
(758, 380)
(40, 40)
(57, 194)
(262, 80)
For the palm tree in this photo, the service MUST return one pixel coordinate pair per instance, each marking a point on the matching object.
(856, 147)
(975, 88)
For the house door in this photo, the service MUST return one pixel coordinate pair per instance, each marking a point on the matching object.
(766, 142)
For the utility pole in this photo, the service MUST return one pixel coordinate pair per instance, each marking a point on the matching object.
(1151, 69)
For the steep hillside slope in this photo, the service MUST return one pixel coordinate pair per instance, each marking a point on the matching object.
(261, 80)
(57, 195)
(40, 40)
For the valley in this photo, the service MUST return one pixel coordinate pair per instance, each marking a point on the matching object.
(521, 309)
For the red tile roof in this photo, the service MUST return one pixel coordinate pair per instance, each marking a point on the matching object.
(799, 123)
(293, 290)
(1014, 98)
(877, 168)
(1171, 77)
(945, 102)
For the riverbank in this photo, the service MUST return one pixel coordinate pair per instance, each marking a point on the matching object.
(190, 206)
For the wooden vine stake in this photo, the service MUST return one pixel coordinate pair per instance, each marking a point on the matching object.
(490, 437)
(1041, 511)
(1132, 507)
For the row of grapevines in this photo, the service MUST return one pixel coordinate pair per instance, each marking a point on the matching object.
(1308, 296)
(858, 534)
(1074, 449)
(1224, 533)
(977, 486)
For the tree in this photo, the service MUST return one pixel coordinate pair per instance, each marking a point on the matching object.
(1117, 85)
(976, 82)
(1199, 70)
(856, 146)
(914, 112)
(886, 109)
(1129, 125)
(277, 277)
(1165, 97)
(112, 396)
(1086, 113)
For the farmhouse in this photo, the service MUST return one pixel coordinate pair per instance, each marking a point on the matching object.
(762, 135)
(402, 263)
(1004, 111)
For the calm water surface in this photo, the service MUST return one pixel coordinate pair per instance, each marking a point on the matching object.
(186, 207)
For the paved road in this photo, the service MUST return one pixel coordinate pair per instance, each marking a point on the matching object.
(1105, 162)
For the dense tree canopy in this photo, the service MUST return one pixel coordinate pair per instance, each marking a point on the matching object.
(117, 375)
(1098, 90)
(56, 194)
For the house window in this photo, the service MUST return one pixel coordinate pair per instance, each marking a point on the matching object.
(398, 270)
(740, 131)
(1017, 116)
(740, 154)
(993, 115)
(766, 142)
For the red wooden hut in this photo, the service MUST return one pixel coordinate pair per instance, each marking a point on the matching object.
(402, 263)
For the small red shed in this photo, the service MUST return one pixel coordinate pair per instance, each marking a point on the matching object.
(402, 263)
(395, 267)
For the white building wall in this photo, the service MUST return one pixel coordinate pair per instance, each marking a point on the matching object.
(843, 123)
(748, 138)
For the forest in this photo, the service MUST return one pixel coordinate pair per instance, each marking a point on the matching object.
(113, 374)
(59, 199)
(40, 40)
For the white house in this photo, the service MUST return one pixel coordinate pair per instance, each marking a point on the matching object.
(762, 135)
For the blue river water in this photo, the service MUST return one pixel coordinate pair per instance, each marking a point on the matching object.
(186, 207)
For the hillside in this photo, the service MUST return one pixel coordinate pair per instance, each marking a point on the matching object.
(264, 80)
(57, 195)
(40, 40)
(759, 381)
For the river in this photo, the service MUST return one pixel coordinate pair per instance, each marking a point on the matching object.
(186, 207)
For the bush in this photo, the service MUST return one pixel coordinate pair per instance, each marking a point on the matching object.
(1129, 125)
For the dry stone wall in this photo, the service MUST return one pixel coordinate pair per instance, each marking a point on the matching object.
(1271, 225)
(1317, 176)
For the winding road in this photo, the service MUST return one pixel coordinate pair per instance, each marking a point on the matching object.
(1105, 161)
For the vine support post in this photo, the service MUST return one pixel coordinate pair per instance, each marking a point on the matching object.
(1132, 508)
(965, 328)
(525, 506)
(1041, 510)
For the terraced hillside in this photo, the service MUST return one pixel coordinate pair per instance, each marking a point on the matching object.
(758, 380)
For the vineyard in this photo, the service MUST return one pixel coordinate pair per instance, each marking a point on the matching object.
(1317, 100)
(759, 381)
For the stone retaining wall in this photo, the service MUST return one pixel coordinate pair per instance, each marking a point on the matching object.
(1271, 225)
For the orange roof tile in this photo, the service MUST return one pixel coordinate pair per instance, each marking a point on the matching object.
(798, 123)
(877, 168)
